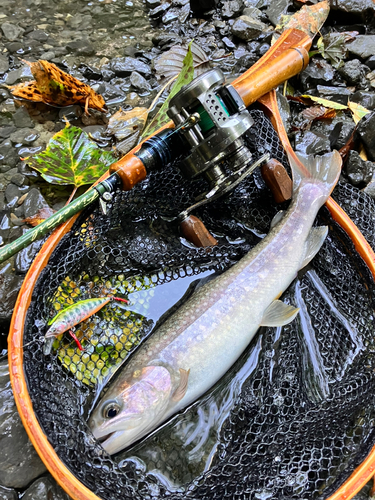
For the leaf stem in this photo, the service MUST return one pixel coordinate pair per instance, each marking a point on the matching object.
(72, 195)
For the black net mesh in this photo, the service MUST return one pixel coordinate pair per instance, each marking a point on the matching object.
(291, 419)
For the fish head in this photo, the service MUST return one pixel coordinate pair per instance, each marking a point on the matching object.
(131, 408)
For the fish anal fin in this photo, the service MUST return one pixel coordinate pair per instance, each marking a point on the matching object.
(313, 243)
(180, 392)
(278, 314)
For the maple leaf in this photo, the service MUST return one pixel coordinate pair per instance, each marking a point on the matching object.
(332, 47)
(54, 86)
(71, 158)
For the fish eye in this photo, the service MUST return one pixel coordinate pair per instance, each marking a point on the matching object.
(111, 410)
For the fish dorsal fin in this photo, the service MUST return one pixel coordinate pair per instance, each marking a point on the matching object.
(180, 392)
(278, 314)
(277, 218)
(313, 243)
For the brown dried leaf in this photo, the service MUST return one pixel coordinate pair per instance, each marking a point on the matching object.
(318, 113)
(54, 86)
(125, 124)
(309, 19)
(39, 217)
(170, 63)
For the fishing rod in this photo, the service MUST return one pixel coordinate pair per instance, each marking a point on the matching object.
(208, 122)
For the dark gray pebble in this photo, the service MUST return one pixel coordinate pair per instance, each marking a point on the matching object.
(4, 64)
(25, 136)
(312, 143)
(11, 31)
(358, 171)
(124, 66)
(366, 129)
(16, 451)
(45, 488)
(81, 47)
(232, 8)
(363, 46)
(247, 28)
(8, 493)
(34, 202)
(365, 99)
(22, 118)
(139, 82)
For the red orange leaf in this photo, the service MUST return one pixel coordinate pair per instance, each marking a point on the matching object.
(39, 217)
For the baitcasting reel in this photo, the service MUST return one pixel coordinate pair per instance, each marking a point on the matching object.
(210, 120)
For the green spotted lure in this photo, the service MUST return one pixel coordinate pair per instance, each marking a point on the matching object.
(71, 316)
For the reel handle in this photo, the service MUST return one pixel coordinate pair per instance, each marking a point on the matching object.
(285, 59)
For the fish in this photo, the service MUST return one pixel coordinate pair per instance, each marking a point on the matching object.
(198, 343)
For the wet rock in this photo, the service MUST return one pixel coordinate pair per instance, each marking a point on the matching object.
(337, 94)
(24, 136)
(366, 129)
(19, 180)
(16, 451)
(357, 7)
(13, 192)
(365, 99)
(276, 9)
(70, 113)
(4, 64)
(34, 202)
(354, 72)
(151, 4)
(132, 99)
(202, 5)
(11, 31)
(124, 66)
(312, 143)
(39, 35)
(90, 72)
(45, 488)
(358, 171)
(184, 13)
(6, 131)
(164, 39)
(317, 73)
(110, 92)
(252, 12)
(8, 155)
(48, 56)
(170, 16)
(370, 62)
(363, 46)
(139, 82)
(8, 494)
(247, 28)
(25, 257)
(232, 8)
(14, 47)
(4, 227)
(22, 118)
(22, 74)
(228, 43)
(81, 47)
(159, 11)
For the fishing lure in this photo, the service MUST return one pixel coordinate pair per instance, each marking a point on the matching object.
(71, 316)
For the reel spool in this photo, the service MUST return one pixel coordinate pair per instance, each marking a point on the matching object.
(221, 119)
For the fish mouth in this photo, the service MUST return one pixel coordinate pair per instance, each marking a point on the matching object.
(104, 438)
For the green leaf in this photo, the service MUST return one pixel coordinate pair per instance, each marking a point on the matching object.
(332, 47)
(71, 158)
(186, 75)
(325, 102)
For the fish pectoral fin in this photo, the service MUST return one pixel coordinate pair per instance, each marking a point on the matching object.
(280, 214)
(314, 241)
(180, 392)
(278, 314)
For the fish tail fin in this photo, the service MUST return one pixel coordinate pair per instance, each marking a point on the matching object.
(324, 170)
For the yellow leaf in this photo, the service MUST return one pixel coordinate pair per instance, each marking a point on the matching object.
(357, 110)
(325, 102)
